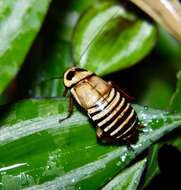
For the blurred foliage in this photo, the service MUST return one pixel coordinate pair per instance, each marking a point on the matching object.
(128, 179)
(175, 103)
(39, 41)
(20, 22)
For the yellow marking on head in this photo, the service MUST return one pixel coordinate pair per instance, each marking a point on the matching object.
(74, 75)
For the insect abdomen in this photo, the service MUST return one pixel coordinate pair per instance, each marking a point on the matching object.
(114, 115)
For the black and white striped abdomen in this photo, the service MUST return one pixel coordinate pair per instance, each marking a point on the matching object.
(114, 115)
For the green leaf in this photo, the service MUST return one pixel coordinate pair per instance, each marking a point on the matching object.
(168, 47)
(109, 38)
(152, 164)
(39, 152)
(175, 103)
(127, 180)
(176, 141)
(20, 22)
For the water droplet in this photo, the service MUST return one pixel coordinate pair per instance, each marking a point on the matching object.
(73, 180)
(154, 116)
(136, 183)
(147, 130)
(146, 107)
(145, 125)
(118, 163)
(139, 145)
(167, 120)
(157, 120)
(123, 157)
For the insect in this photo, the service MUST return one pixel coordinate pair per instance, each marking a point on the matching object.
(106, 106)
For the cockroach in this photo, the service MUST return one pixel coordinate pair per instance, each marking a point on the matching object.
(107, 106)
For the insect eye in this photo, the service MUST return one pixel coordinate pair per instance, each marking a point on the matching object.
(70, 75)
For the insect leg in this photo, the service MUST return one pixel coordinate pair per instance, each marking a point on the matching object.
(65, 92)
(129, 147)
(102, 137)
(71, 105)
(141, 127)
(71, 109)
(124, 94)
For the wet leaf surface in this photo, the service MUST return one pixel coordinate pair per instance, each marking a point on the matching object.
(39, 152)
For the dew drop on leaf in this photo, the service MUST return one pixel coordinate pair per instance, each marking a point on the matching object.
(146, 107)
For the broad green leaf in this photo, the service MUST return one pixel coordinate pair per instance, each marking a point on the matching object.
(20, 21)
(127, 180)
(37, 151)
(109, 38)
(176, 99)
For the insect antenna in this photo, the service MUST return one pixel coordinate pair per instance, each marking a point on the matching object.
(44, 81)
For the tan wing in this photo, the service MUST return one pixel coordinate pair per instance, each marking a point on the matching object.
(90, 91)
